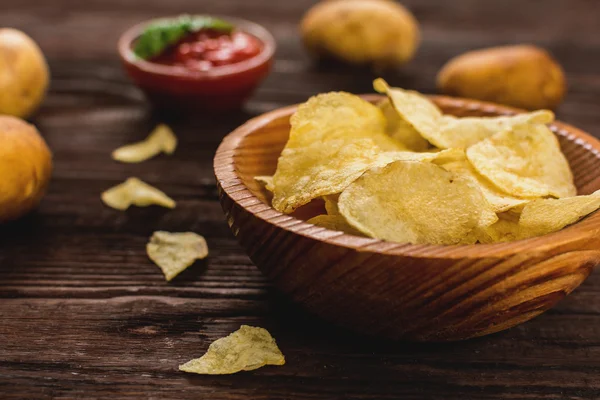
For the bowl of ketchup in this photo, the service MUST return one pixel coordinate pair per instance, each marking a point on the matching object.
(199, 68)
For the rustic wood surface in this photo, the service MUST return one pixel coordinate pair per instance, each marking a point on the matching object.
(86, 315)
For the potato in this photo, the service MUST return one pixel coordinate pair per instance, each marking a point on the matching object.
(378, 32)
(522, 76)
(24, 74)
(25, 167)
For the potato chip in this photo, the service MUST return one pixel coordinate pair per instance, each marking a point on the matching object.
(334, 223)
(174, 252)
(400, 130)
(267, 182)
(135, 192)
(320, 169)
(331, 204)
(413, 108)
(499, 201)
(246, 349)
(419, 116)
(334, 112)
(428, 206)
(524, 162)
(461, 133)
(543, 216)
(506, 229)
(161, 140)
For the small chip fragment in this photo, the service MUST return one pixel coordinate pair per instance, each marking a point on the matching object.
(334, 223)
(135, 192)
(174, 252)
(162, 139)
(331, 204)
(525, 162)
(266, 181)
(246, 349)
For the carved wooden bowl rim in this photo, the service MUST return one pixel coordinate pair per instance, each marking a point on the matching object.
(230, 182)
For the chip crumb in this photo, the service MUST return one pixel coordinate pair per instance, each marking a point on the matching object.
(175, 252)
(160, 140)
(246, 349)
(137, 193)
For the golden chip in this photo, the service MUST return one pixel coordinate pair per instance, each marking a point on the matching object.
(400, 130)
(135, 192)
(334, 223)
(550, 215)
(524, 162)
(246, 349)
(174, 252)
(413, 108)
(429, 205)
(499, 201)
(331, 204)
(333, 112)
(161, 140)
(506, 229)
(320, 169)
(461, 133)
(267, 182)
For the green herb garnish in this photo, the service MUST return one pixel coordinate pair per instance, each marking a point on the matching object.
(160, 35)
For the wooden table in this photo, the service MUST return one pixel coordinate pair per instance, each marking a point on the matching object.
(85, 314)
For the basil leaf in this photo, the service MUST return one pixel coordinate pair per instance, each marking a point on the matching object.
(160, 35)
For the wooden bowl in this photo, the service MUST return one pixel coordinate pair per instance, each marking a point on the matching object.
(396, 290)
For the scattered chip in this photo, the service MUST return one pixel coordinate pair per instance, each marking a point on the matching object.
(135, 192)
(499, 201)
(334, 223)
(161, 140)
(525, 162)
(432, 207)
(400, 130)
(267, 182)
(174, 252)
(246, 349)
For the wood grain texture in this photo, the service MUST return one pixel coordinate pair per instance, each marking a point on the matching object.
(85, 314)
(398, 290)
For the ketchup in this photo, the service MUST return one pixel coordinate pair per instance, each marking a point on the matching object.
(208, 49)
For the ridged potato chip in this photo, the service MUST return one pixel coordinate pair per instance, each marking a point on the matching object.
(334, 223)
(161, 140)
(135, 192)
(246, 349)
(525, 162)
(429, 206)
(174, 252)
(400, 130)
(499, 200)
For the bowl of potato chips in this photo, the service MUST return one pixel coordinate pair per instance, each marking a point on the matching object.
(414, 217)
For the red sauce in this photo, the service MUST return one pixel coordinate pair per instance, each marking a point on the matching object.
(208, 49)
